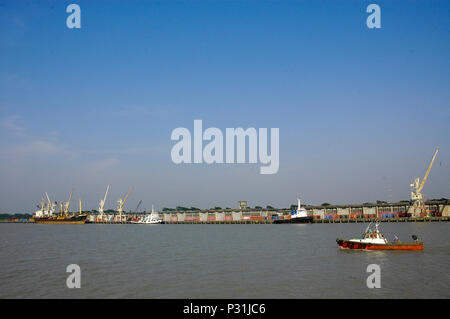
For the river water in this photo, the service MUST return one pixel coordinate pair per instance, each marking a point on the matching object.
(218, 261)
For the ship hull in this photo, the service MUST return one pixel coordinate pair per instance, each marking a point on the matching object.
(59, 220)
(346, 244)
(147, 223)
(298, 220)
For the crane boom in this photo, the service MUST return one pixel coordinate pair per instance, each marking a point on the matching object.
(106, 194)
(424, 179)
(126, 197)
(67, 204)
(138, 205)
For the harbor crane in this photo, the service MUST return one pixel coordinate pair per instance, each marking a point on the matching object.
(43, 205)
(137, 207)
(67, 204)
(50, 206)
(417, 185)
(121, 203)
(102, 203)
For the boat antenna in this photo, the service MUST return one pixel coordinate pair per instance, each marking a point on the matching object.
(368, 227)
(376, 226)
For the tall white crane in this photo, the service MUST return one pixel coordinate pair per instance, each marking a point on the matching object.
(102, 202)
(417, 186)
(122, 202)
(42, 207)
(67, 204)
(50, 206)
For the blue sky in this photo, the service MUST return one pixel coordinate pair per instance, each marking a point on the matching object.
(360, 110)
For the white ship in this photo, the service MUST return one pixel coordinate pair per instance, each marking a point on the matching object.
(299, 216)
(152, 218)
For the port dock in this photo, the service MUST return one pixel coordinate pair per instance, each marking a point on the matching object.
(434, 211)
(315, 221)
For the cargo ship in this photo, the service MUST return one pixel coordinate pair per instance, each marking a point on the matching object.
(299, 216)
(374, 240)
(72, 219)
(46, 215)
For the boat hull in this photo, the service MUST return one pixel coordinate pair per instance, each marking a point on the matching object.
(149, 223)
(59, 220)
(298, 220)
(347, 244)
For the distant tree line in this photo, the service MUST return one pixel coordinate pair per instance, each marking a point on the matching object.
(14, 216)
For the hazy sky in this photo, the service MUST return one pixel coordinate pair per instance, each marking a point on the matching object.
(360, 111)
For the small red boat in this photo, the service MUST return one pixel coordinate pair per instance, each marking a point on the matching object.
(374, 240)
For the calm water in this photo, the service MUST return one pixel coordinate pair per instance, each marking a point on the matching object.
(218, 261)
